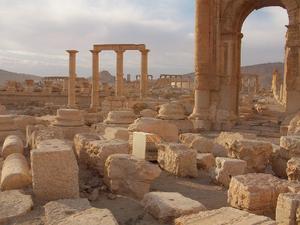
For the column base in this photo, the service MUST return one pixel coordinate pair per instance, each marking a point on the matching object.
(201, 125)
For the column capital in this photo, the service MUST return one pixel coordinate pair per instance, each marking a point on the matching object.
(119, 51)
(95, 51)
(145, 51)
(72, 51)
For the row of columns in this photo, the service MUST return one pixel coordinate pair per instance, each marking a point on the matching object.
(119, 85)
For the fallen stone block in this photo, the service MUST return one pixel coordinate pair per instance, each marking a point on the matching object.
(57, 211)
(15, 172)
(120, 117)
(293, 169)
(178, 159)
(12, 144)
(116, 133)
(99, 151)
(205, 161)
(227, 168)
(167, 131)
(14, 204)
(129, 176)
(256, 193)
(291, 144)
(226, 215)
(144, 146)
(167, 206)
(198, 142)
(148, 113)
(288, 209)
(257, 154)
(91, 216)
(54, 170)
(279, 161)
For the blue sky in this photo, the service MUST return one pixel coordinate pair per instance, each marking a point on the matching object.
(35, 34)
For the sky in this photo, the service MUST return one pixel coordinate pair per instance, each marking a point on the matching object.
(35, 34)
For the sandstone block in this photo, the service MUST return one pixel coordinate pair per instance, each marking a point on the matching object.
(144, 145)
(15, 172)
(178, 159)
(116, 133)
(120, 117)
(13, 204)
(227, 168)
(99, 151)
(167, 206)
(226, 215)
(148, 113)
(69, 118)
(91, 216)
(198, 142)
(293, 169)
(257, 154)
(167, 131)
(291, 144)
(279, 161)
(130, 176)
(256, 193)
(205, 161)
(12, 144)
(288, 209)
(57, 211)
(54, 170)
(171, 111)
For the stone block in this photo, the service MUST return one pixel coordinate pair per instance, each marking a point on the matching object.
(116, 133)
(256, 193)
(129, 176)
(167, 131)
(167, 206)
(226, 215)
(257, 154)
(293, 169)
(12, 144)
(54, 170)
(198, 142)
(99, 151)
(279, 161)
(171, 111)
(178, 159)
(288, 209)
(227, 168)
(291, 144)
(15, 172)
(13, 204)
(120, 117)
(205, 161)
(145, 145)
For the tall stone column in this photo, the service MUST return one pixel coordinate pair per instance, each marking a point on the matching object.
(200, 115)
(72, 79)
(144, 73)
(120, 73)
(95, 82)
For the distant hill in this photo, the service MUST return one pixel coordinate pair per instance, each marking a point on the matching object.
(264, 71)
(20, 77)
(106, 77)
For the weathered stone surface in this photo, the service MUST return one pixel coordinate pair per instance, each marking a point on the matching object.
(291, 144)
(15, 172)
(167, 131)
(293, 169)
(198, 142)
(120, 117)
(226, 139)
(7, 123)
(167, 206)
(148, 113)
(116, 133)
(69, 118)
(256, 193)
(226, 215)
(288, 209)
(54, 170)
(91, 216)
(171, 111)
(294, 125)
(256, 153)
(81, 143)
(279, 161)
(13, 204)
(178, 159)
(57, 211)
(130, 176)
(99, 151)
(183, 126)
(12, 144)
(144, 145)
(227, 168)
(205, 161)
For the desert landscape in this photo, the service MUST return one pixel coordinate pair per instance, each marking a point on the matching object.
(219, 145)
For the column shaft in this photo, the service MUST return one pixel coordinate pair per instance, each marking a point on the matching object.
(144, 73)
(120, 73)
(72, 79)
(95, 82)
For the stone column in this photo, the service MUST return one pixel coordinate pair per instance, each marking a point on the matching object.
(120, 73)
(72, 79)
(144, 73)
(95, 82)
(200, 115)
